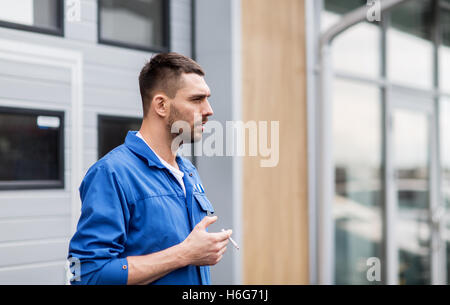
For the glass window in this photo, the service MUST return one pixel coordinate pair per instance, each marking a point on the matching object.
(357, 50)
(141, 24)
(445, 171)
(411, 160)
(334, 9)
(31, 149)
(409, 46)
(35, 15)
(112, 131)
(444, 52)
(358, 161)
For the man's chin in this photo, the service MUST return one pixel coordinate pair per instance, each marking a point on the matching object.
(193, 139)
(196, 138)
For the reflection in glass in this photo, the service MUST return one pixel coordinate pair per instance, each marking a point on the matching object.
(333, 10)
(112, 132)
(358, 200)
(327, 20)
(357, 50)
(444, 74)
(39, 13)
(411, 165)
(445, 171)
(444, 52)
(30, 147)
(133, 22)
(343, 7)
(409, 46)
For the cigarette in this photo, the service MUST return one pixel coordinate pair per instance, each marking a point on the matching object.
(232, 241)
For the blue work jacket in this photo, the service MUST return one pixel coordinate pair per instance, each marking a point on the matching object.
(133, 205)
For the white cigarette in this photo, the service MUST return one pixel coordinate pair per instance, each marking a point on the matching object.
(232, 241)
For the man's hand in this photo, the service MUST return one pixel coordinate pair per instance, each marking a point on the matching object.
(202, 248)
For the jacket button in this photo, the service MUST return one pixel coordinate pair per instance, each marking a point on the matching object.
(124, 267)
(190, 174)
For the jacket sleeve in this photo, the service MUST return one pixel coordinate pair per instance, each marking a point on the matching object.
(101, 232)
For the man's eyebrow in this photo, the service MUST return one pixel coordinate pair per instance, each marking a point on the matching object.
(199, 96)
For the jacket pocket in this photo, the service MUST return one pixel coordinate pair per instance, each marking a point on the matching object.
(204, 203)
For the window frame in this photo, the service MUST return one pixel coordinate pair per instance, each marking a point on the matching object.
(325, 266)
(153, 49)
(38, 29)
(39, 184)
(100, 127)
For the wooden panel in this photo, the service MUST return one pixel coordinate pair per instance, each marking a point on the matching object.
(39, 228)
(34, 71)
(86, 28)
(275, 205)
(34, 203)
(39, 274)
(111, 77)
(82, 31)
(111, 97)
(36, 90)
(33, 252)
(89, 10)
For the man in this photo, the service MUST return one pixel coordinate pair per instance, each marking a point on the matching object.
(144, 211)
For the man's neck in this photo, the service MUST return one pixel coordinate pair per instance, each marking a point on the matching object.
(160, 143)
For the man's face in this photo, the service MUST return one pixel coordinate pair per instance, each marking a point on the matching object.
(191, 106)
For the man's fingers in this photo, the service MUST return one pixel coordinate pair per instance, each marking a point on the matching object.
(221, 236)
(222, 251)
(223, 244)
(206, 221)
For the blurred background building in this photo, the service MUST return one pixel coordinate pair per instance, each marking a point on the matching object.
(364, 144)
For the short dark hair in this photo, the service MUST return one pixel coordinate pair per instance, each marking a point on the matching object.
(163, 73)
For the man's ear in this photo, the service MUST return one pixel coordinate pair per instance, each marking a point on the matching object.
(161, 105)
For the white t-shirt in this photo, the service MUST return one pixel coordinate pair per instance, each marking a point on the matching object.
(175, 172)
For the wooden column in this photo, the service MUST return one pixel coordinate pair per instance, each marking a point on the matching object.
(275, 208)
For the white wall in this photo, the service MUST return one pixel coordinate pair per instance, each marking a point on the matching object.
(218, 52)
(35, 226)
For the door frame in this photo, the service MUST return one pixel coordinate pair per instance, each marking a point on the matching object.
(400, 98)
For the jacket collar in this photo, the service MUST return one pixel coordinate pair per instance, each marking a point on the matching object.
(140, 148)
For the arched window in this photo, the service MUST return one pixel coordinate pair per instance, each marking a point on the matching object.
(391, 142)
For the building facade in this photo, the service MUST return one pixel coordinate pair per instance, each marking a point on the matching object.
(357, 189)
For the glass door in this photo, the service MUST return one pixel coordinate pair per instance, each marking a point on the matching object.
(412, 183)
(413, 212)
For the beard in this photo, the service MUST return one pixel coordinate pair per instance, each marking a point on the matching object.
(178, 126)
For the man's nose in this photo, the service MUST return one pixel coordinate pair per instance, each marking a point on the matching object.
(208, 110)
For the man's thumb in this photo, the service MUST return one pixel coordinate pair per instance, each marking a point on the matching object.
(206, 221)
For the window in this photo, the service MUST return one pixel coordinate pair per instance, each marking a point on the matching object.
(112, 131)
(139, 24)
(358, 202)
(445, 170)
(358, 49)
(364, 58)
(43, 16)
(384, 113)
(31, 149)
(409, 40)
(335, 9)
(444, 51)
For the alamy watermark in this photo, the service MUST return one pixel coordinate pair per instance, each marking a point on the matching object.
(374, 11)
(235, 139)
(73, 269)
(73, 10)
(374, 272)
